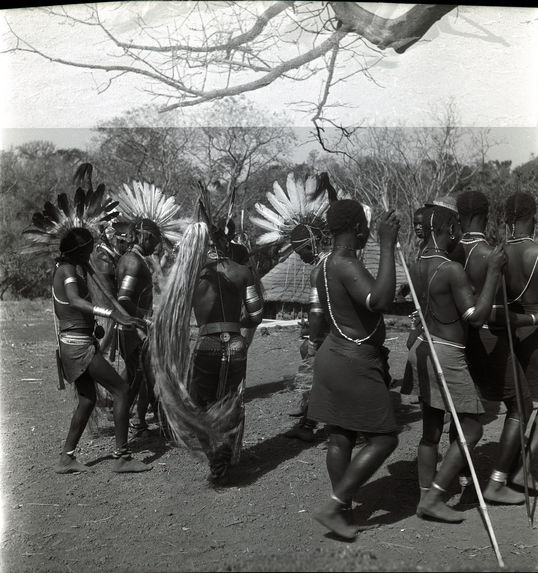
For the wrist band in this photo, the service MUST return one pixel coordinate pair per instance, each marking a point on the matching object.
(100, 311)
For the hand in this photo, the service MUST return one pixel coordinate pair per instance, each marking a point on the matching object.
(497, 259)
(128, 320)
(388, 228)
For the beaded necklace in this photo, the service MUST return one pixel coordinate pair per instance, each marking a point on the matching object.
(468, 239)
(357, 341)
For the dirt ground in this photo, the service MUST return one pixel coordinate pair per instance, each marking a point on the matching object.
(170, 520)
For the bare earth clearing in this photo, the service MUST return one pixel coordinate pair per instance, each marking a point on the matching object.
(170, 520)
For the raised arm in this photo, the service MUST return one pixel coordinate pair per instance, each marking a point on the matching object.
(383, 289)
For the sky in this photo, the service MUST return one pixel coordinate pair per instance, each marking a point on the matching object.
(483, 59)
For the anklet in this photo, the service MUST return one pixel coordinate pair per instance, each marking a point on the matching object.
(337, 499)
(438, 487)
(424, 489)
(498, 476)
(123, 453)
(71, 454)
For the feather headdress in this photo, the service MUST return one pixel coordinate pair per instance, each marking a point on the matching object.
(144, 200)
(89, 209)
(299, 204)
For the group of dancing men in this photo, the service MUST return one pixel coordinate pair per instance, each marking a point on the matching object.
(478, 302)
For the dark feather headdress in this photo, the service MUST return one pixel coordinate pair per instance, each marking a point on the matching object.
(89, 208)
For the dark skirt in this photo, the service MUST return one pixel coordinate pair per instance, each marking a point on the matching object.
(491, 365)
(349, 388)
(455, 371)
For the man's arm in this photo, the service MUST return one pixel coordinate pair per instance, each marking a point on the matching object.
(128, 278)
(476, 310)
(316, 317)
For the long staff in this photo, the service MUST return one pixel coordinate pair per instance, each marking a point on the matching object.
(519, 401)
(452, 408)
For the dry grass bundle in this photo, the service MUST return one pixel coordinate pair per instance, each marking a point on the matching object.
(172, 356)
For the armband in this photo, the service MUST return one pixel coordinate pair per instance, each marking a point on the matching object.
(315, 304)
(70, 280)
(253, 302)
(533, 317)
(100, 311)
(367, 302)
(468, 313)
(128, 283)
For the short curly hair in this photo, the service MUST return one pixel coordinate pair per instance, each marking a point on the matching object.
(519, 205)
(471, 203)
(344, 214)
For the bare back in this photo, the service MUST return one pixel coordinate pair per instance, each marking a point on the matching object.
(220, 291)
(522, 273)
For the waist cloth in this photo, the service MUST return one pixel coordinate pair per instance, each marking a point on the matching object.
(349, 388)
(76, 352)
(455, 370)
(491, 365)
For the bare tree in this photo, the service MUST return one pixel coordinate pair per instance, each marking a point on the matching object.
(196, 52)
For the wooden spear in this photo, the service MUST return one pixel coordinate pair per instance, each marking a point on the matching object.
(452, 408)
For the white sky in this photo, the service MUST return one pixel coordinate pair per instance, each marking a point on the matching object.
(483, 58)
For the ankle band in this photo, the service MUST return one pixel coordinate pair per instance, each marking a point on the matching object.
(123, 453)
(438, 487)
(71, 453)
(424, 489)
(498, 476)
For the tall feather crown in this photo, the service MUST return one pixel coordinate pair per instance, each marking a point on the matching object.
(90, 209)
(299, 204)
(144, 200)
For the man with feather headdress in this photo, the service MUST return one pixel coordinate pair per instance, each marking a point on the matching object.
(202, 392)
(153, 220)
(297, 223)
(71, 231)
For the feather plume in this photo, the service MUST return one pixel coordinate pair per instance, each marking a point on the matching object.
(292, 207)
(51, 225)
(143, 200)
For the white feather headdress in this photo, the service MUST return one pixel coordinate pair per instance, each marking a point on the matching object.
(144, 200)
(292, 207)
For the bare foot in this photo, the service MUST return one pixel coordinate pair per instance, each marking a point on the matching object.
(68, 464)
(438, 510)
(502, 494)
(127, 464)
(331, 516)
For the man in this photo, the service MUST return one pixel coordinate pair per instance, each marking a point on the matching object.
(448, 306)
(135, 294)
(522, 291)
(306, 242)
(488, 350)
(220, 356)
(349, 392)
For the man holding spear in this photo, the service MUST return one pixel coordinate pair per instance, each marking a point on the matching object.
(448, 306)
